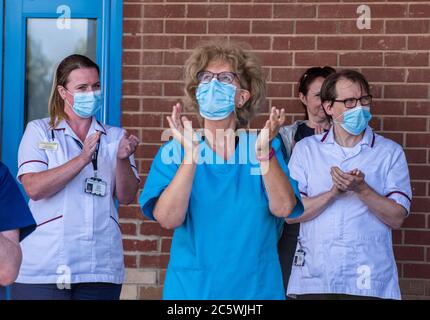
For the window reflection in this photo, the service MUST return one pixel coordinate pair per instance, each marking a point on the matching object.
(47, 45)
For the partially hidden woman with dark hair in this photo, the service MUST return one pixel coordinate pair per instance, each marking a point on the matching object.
(316, 122)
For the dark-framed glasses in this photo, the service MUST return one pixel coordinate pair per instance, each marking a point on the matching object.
(352, 102)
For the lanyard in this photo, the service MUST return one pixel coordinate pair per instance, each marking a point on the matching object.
(95, 155)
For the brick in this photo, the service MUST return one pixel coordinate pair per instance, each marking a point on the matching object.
(130, 104)
(416, 156)
(397, 236)
(360, 59)
(315, 27)
(315, 59)
(418, 139)
(419, 188)
(131, 57)
(147, 151)
(417, 237)
(404, 124)
(294, 43)
(166, 244)
(384, 43)
(255, 42)
(419, 172)
(164, 11)
(153, 261)
(404, 59)
(279, 90)
(395, 136)
(250, 11)
(407, 26)
(419, 10)
(158, 104)
(129, 228)
(419, 75)
(154, 229)
(384, 75)
(406, 91)
(140, 245)
(229, 26)
(174, 89)
(418, 108)
(128, 292)
(130, 261)
(294, 11)
(419, 42)
(409, 253)
(161, 73)
(286, 74)
(207, 11)
(418, 271)
(150, 293)
(420, 205)
(186, 26)
(152, 58)
(387, 107)
(176, 57)
(130, 212)
(412, 287)
(132, 10)
(276, 58)
(338, 43)
(132, 42)
(140, 276)
(272, 27)
(415, 220)
(163, 42)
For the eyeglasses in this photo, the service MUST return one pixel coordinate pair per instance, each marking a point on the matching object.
(224, 77)
(352, 102)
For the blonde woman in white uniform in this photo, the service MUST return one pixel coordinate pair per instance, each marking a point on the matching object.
(73, 168)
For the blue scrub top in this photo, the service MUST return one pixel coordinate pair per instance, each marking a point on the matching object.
(14, 211)
(227, 246)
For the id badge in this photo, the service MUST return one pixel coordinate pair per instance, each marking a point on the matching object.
(299, 258)
(95, 186)
(48, 145)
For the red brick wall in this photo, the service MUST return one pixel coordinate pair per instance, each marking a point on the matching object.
(288, 36)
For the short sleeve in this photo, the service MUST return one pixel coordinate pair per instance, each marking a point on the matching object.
(297, 168)
(14, 211)
(397, 182)
(282, 158)
(164, 167)
(31, 158)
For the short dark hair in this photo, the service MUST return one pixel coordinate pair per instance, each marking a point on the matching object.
(309, 76)
(328, 89)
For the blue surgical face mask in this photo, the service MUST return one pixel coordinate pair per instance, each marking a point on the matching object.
(86, 104)
(355, 121)
(216, 99)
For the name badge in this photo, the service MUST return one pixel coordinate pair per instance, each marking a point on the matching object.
(48, 145)
(299, 258)
(95, 186)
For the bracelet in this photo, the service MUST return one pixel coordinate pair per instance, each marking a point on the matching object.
(268, 157)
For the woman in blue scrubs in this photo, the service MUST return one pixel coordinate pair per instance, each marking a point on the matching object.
(224, 190)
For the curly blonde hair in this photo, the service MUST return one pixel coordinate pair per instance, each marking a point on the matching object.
(243, 63)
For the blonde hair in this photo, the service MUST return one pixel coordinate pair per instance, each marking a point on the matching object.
(61, 78)
(243, 63)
